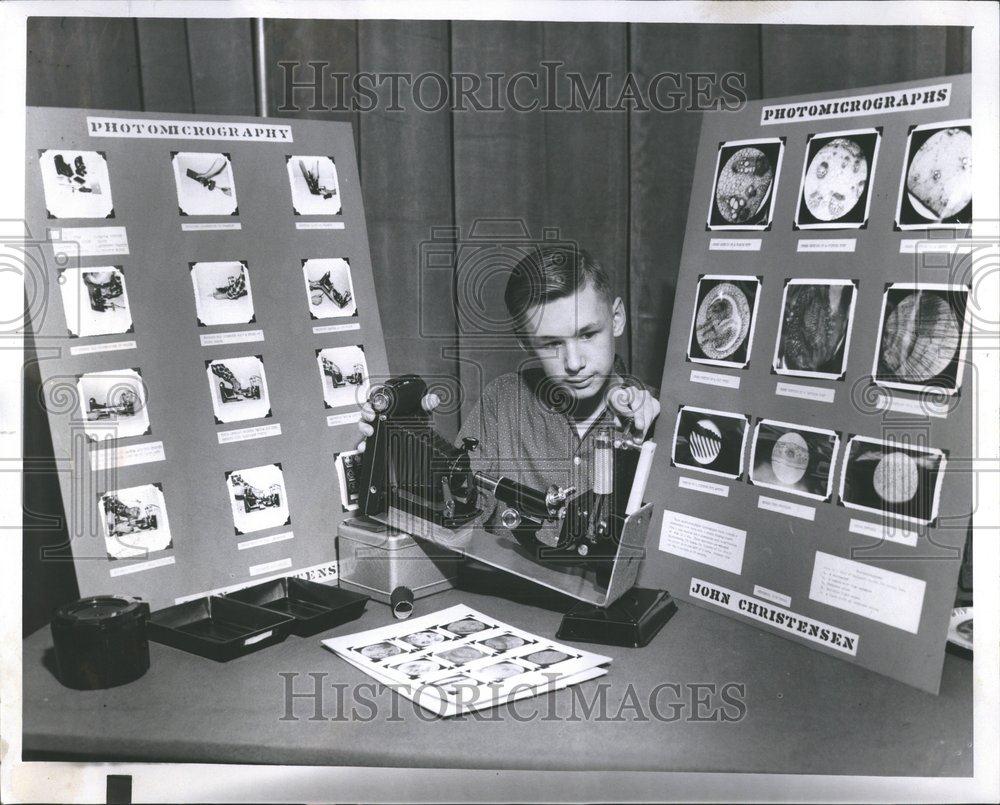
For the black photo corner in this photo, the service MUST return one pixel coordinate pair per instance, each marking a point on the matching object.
(498, 395)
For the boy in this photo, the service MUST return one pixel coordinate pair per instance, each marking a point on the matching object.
(537, 425)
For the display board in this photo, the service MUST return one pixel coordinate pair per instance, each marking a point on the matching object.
(205, 323)
(816, 400)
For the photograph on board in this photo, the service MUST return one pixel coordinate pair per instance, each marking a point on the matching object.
(893, 479)
(344, 373)
(239, 389)
(329, 288)
(135, 521)
(922, 337)
(709, 441)
(816, 321)
(746, 181)
(313, 180)
(257, 498)
(837, 175)
(723, 320)
(205, 184)
(348, 466)
(95, 301)
(113, 404)
(935, 189)
(76, 184)
(793, 458)
(222, 293)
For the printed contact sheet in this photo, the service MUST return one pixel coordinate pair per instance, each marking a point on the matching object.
(459, 659)
(206, 356)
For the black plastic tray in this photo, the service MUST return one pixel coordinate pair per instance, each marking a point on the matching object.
(315, 607)
(218, 628)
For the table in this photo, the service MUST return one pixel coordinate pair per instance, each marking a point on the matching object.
(804, 712)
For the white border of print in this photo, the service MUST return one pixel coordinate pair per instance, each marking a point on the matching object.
(847, 335)
(793, 427)
(869, 190)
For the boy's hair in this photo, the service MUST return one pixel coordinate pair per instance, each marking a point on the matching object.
(551, 272)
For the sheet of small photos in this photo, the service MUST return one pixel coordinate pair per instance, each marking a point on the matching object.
(457, 660)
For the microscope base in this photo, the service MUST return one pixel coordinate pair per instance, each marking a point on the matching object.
(633, 620)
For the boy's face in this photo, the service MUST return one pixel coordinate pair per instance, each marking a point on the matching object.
(574, 339)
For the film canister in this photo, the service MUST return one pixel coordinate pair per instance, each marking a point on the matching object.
(100, 642)
(401, 602)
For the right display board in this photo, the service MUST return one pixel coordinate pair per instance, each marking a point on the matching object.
(814, 473)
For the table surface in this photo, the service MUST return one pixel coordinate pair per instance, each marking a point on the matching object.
(805, 712)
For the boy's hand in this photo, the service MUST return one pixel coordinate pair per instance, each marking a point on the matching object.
(428, 403)
(637, 408)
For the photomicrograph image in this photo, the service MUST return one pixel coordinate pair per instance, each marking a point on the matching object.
(547, 657)
(466, 626)
(723, 322)
(921, 344)
(816, 321)
(836, 180)
(710, 441)
(95, 301)
(313, 180)
(135, 521)
(113, 404)
(222, 293)
(76, 184)
(746, 176)
(461, 654)
(892, 479)
(936, 186)
(793, 458)
(415, 668)
(257, 498)
(379, 651)
(499, 671)
(329, 289)
(423, 639)
(503, 642)
(205, 184)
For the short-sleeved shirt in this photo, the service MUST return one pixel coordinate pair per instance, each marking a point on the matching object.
(526, 431)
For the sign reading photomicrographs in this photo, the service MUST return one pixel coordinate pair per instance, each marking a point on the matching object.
(816, 390)
(208, 355)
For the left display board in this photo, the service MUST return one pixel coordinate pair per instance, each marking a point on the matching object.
(203, 314)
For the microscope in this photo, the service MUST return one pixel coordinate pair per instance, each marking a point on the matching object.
(585, 543)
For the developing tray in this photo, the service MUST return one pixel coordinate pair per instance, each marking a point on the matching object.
(315, 607)
(218, 628)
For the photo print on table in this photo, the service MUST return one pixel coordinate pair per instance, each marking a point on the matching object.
(344, 372)
(746, 182)
(95, 301)
(315, 189)
(893, 479)
(257, 498)
(837, 174)
(135, 522)
(723, 320)
(710, 441)
(113, 404)
(222, 293)
(205, 184)
(793, 458)
(935, 189)
(329, 288)
(348, 465)
(816, 321)
(76, 184)
(239, 389)
(922, 337)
